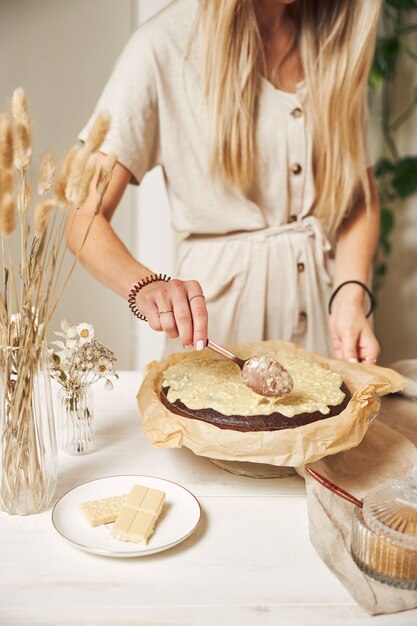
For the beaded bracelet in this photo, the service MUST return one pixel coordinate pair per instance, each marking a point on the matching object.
(355, 282)
(153, 278)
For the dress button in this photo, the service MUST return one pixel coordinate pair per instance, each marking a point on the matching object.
(300, 267)
(302, 316)
(297, 112)
(296, 169)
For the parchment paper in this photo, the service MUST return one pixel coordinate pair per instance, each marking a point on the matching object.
(289, 447)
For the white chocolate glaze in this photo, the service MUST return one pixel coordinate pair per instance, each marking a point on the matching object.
(216, 383)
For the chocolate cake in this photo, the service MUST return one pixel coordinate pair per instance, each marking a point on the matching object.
(211, 390)
(245, 423)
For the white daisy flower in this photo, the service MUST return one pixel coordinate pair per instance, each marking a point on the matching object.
(104, 367)
(85, 332)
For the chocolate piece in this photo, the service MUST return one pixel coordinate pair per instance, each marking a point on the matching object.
(102, 511)
(138, 515)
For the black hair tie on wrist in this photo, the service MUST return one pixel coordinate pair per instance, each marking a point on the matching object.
(355, 282)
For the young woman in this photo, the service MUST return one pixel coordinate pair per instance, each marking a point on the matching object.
(256, 110)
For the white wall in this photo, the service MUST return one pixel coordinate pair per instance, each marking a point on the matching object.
(396, 317)
(62, 52)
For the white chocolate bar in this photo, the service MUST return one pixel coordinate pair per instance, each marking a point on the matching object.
(138, 515)
(103, 511)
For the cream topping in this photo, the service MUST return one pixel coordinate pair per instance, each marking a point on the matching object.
(216, 383)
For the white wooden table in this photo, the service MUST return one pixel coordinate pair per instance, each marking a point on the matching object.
(249, 562)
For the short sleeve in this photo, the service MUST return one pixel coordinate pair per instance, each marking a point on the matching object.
(130, 97)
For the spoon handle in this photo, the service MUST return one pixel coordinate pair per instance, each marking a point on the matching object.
(220, 350)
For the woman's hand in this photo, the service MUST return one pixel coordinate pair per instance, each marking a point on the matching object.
(352, 336)
(178, 308)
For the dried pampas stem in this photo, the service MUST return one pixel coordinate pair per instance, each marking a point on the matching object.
(20, 110)
(105, 173)
(6, 182)
(46, 174)
(6, 143)
(42, 215)
(27, 193)
(62, 181)
(76, 175)
(7, 215)
(30, 280)
(90, 170)
(98, 132)
(22, 146)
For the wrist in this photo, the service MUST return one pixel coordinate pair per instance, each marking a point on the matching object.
(351, 294)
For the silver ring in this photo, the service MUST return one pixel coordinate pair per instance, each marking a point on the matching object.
(199, 295)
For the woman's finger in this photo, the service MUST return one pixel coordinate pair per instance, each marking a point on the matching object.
(166, 314)
(198, 308)
(350, 347)
(182, 313)
(369, 348)
(168, 323)
(337, 348)
(150, 310)
(146, 304)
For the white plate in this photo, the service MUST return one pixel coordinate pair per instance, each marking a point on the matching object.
(179, 518)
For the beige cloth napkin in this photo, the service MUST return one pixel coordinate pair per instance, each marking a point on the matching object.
(388, 452)
(408, 369)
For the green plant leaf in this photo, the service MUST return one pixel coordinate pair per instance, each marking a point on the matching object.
(381, 269)
(383, 166)
(386, 246)
(386, 53)
(404, 179)
(404, 5)
(387, 222)
(376, 75)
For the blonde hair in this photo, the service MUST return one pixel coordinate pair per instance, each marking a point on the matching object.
(336, 41)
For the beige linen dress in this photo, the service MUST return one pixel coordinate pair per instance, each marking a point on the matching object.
(262, 259)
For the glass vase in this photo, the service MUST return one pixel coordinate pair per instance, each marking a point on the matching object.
(28, 450)
(76, 432)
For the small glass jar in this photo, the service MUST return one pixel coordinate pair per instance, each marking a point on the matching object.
(384, 534)
(76, 427)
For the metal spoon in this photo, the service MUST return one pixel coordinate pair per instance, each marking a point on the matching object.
(262, 374)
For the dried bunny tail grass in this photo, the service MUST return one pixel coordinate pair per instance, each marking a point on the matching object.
(7, 215)
(43, 215)
(6, 181)
(6, 143)
(84, 187)
(19, 106)
(27, 193)
(46, 174)
(105, 173)
(76, 174)
(62, 181)
(22, 145)
(98, 132)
